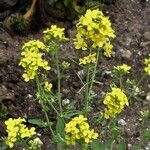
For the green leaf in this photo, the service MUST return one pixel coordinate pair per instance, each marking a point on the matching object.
(122, 146)
(96, 145)
(69, 114)
(60, 131)
(115, 133)
(67, 2)
(3, 113)
(40, 123)
(146, 134)
(50, 2)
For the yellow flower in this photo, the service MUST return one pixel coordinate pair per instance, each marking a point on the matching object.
(48, 86)
(94, 31)
(54, 33)
(107, 49)
(122, 68)
(147, 67)
(16, 130)
(79, 129)
(115, 102)
(88, 59)
(32, 60)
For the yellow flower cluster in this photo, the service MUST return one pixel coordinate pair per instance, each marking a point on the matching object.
(54, 33)
(47, 86)
(32, 59)
(94, 29)
(88, 59)
(123, 68)
(16, 130)
(78, 129)
(115, 102)
(147, 68)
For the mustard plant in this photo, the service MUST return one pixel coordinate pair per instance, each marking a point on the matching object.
(78, 132)
(18, 132)
(93, 37)
(115, 102)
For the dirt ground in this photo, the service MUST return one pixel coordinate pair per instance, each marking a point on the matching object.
(131, 21)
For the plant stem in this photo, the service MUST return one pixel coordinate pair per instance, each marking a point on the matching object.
(47, 119)
(87, 90)
(120, 82)
(111, 146)
(94, 72)
(45, 113)
(59, 80)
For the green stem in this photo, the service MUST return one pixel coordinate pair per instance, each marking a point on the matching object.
(111, 146)
(59, 81)
(120, 82)
(47, 119)
(45, 113)
(94, 72)
(87, 90)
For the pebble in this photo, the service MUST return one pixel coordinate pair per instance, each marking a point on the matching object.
(145, 44)
(129, 145)
(29, 96)
(65, 101)
(104, 123)
(148, 97)
(126, 54)
(146, 35)
(66, 91)
(122, 122)
(127, 41)
(147, 147)
(106, 73)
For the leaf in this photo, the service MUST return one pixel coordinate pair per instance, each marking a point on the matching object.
(69, 114)
(146, 134)
(115, 133)
(122, 146)
(40, 123)
(67, 2)
(60, 131)
(96, 145)
(50, 2)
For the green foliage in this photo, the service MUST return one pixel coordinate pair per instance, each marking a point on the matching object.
(38, 122)
(60, 132)
(145, 134)
(3, 113)
(18, 23)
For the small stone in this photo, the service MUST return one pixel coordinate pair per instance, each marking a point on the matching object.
(106, 73)
(139, 53)
(39, 134)
(147, 35)
(127, 41)
(126, 54)
(65, 101)
(148, 97)
(144, 44)
(66, 91)
(122, 122)
(104, 123)
(129, 145)
(148, 146)
(29, 96)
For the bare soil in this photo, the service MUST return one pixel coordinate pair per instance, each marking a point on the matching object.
(131, 21)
